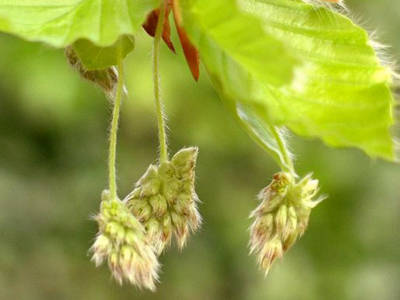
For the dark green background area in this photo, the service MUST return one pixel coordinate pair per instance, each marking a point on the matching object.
(53, 134)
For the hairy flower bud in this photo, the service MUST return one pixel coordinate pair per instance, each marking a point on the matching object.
(282, 216)
(121, 241)
(165, 202)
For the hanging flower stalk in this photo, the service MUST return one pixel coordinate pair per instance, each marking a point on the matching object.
(133, 232)
(121, 240)
(164, 199)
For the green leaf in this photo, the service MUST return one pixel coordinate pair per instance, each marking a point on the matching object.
(62, 22)
(238, 55)
(270, 138)
(94, 57)
(220, 27)
(339, 92)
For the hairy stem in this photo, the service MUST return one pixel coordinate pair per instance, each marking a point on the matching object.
(112, 177)
(156, 78)
(284, 150)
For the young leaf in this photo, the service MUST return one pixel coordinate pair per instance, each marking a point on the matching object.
(239, 55)
(62, 22)
(94, 57)
(219, 28)
(339, 91)
(189, 50)
(150, 26)
(270, 138)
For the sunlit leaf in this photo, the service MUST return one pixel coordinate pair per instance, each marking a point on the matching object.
(267, 136)
(239, 55)
(221, 27)
(62, 22)
(339, 92)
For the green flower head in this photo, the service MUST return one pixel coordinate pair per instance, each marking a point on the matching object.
(282, 216)
(165, 201)
(122, 243)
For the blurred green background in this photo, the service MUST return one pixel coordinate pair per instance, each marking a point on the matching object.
(53, 133)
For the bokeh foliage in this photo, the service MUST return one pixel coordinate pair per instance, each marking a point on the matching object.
(53, 131)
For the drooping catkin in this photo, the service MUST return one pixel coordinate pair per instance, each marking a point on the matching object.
(282, 216)
(121, 241)
(165, 201)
